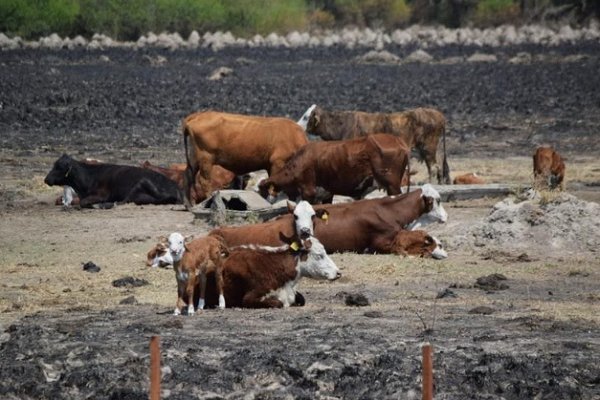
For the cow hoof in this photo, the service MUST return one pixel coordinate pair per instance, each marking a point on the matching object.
(176, 312)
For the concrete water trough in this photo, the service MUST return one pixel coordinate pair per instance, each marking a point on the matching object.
(239, 206)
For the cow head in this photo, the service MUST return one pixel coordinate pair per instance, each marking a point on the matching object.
(303, 121)
(60, 172)
(438, 252)
(177, 245)
(434, 211)
(313, 260)
(304, 218)
(314, 120)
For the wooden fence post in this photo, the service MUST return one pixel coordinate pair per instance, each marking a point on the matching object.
(155, 368)
(427, 371)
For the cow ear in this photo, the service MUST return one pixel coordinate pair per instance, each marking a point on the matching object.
(188, 239)
(163, 239)
(323, 214)
(290, 207)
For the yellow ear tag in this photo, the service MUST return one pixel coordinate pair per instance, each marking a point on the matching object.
(294, 246)
(325, 217)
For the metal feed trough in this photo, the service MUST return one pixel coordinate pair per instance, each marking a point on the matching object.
(237, 206)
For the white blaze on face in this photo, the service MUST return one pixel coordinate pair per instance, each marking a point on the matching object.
(176, 245)
(318, 265)
(303, 121)
(438, 253)
(303, 218)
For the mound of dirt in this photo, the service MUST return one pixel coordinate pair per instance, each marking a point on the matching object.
(563, 222)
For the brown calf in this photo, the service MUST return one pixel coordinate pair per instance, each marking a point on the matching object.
(417, 243)
(470, 178)
(548, 168)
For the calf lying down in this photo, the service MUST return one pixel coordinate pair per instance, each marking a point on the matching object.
(267, 277)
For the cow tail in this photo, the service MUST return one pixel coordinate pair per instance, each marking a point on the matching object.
(408, 172)
(189, 170)
(445, 166)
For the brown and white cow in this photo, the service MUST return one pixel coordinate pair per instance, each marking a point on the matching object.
(470, 178)
(343, 167)
(420, 128)
(417, 243)
(371, 225)
(300, 221)
(361, 226)
(548, 168)
(239, 143)
(192, 262)
(267, 277)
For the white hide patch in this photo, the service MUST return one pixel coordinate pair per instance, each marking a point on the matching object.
(176, 245)
(318, 265)
(303, 121)
(286, 294)
(438, 253)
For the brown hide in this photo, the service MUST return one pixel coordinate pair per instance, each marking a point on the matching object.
(365, 225)
(420, 128)
(248, 275)
(202, 256)
(342, 167)
(370, 225)
(220, 178)
(413, 243)
(468, 179)
(548, 168)
(239, 143)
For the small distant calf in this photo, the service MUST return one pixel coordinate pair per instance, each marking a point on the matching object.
(417, 243)
(192, 262)
(468, 179)
(548, 168)
(159, 255)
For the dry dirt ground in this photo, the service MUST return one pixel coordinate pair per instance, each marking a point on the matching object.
(69, 333)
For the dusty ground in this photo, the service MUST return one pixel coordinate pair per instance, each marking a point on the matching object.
(69, 333)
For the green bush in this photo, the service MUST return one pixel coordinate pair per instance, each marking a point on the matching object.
(34, 18)
(265, 16)
(496, 12)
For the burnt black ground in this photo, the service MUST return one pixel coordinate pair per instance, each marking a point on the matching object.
(124, 109)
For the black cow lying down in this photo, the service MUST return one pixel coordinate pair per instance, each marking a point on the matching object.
(106, 184)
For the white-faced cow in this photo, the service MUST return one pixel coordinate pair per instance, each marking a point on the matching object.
(371, 225)
(344, 167)
(239, 143)
(107, 184)
(420, 128)
(548, 168)
(267, 277)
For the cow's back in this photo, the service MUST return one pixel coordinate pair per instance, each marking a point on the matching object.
(244, 143)
(264, 234)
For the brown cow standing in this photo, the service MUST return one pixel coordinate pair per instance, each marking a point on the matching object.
(420, 128)
(239, 143)
(344, 167)
(548, 168)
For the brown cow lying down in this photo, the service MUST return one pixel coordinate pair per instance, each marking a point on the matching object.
(192, 262)
(470, 178)
(548, 168)
(344, 167)
(267, 277)
(420, 128)
(417, 243)
(220, 178)
(362, 226)
(239, 143)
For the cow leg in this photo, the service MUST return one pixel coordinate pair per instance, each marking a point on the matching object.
(253, 299)
(220, 285)
(299, 300)
(206, 163)
(180, 294)
(95, 200)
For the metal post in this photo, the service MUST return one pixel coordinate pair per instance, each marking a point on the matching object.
(427, 371)
(155, 368)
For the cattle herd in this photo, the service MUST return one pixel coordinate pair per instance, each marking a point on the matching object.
(260, 265)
